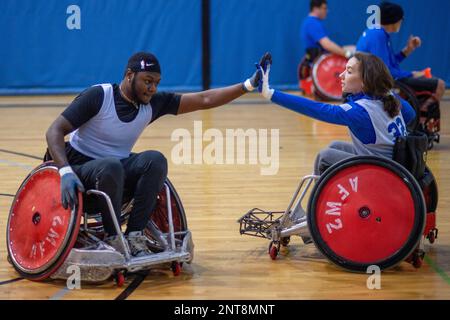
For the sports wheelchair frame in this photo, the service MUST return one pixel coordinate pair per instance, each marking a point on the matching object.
(44, 239)
(361, 211)
(427, 118)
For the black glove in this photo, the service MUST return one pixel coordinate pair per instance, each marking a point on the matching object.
(69, 184)
(255, 80)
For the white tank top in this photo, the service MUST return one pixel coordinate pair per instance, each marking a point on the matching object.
(105, 135)
(386, 130)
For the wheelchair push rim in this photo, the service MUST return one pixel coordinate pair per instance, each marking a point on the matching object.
(366, 211)
(40, 232)
(325, 76)
(160, 215)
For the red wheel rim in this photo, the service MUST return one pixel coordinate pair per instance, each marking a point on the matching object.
(40, 231)
(326, 73)
(120, 280)
(160, 214)
(369, 224)
(273, 252)
(176, 268)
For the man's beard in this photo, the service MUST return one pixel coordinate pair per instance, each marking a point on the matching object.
(134, 92)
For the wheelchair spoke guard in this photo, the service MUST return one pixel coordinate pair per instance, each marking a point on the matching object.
(40, 232)
(366, 211)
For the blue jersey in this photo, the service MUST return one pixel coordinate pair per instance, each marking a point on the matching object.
(372, 130)
(378, 42)
(312, 31)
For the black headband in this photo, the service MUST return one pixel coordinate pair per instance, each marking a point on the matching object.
(144, 62)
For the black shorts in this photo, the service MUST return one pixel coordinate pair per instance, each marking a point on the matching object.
(421, 84)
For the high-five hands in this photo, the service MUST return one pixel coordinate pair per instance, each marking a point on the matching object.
(255, 80)
(264, 89)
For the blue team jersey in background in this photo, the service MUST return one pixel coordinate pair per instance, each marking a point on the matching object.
(378, 42)
(312, 31)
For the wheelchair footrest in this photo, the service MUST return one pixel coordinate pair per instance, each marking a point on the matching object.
(259, 223)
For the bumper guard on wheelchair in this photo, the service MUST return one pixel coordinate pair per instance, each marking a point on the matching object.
(275, 225)
(97, 261)
(259, 223)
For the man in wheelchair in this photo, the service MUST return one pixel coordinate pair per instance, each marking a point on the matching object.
(316, 41)
(377, 41)
(104, 122)
(314, 35)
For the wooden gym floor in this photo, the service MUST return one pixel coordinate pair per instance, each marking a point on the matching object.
(226, 264)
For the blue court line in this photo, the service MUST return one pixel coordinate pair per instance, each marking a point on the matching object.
(60, 294)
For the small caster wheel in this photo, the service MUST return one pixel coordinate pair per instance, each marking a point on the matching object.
(119, 278)
(285, 241)
(417, 261)
(431, 237)
(273, 250)
(176, 268)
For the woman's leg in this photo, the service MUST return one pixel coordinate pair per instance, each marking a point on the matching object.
(335, 152)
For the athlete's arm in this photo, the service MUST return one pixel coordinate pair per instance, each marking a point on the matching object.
(210, 98)
(332, 47)
(317, 110)
(55, 140)
(85, 106)
(216, 97)
(330, 113)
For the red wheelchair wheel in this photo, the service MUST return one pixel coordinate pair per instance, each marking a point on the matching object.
(325, 76)
(160, 215)
(40, 232)
(366, 211)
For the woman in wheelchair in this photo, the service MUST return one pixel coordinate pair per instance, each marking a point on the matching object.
(374, 115)
(348, 203)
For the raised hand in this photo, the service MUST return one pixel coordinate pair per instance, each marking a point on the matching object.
(255, 80)
(265, 90)
(414, 42)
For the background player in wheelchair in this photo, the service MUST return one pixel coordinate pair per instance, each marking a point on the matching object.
(348, 209)
(423, 91)
(320, 49)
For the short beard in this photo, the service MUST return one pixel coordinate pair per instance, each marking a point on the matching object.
(134, 93)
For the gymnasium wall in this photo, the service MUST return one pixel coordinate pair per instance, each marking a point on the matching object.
(45, 48)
